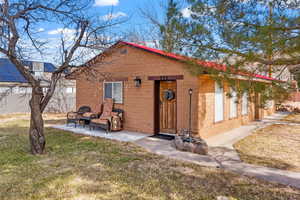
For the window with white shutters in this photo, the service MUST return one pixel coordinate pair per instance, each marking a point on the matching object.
(245, 103)
(219, 103)
(233, 103)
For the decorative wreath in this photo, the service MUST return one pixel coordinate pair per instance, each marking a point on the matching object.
(169, 95)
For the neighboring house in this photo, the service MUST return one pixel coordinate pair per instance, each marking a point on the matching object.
(15, 92)
(152, 87)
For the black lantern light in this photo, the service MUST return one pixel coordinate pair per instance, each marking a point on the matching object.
(137, 82)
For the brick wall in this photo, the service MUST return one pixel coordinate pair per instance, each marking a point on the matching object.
(206, 110)
(138, 103)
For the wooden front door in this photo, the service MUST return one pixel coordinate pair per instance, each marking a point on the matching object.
(167, 107)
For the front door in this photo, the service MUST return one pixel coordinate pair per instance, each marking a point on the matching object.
(167, 107)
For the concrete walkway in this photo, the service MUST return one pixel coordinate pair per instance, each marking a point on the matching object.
(221, 151)
(166, 148)
(227, 139)
(223, 155)
(228, 160)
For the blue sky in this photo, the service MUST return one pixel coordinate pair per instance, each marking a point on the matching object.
(104, 9)
(121, 9)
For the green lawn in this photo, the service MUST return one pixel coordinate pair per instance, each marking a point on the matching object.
(80, 167)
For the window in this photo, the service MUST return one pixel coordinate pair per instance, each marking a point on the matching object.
(38, 74)
(5, 90)
(37, 66)
(15, 90)
(70, 90)
(245, 103)
(233, 104)
(38, 69)
(114, 90)
(24, 90)
(219, 103)
(45, 90)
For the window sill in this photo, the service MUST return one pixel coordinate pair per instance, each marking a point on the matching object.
(219, 122)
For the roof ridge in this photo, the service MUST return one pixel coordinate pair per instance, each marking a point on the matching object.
(209, 64)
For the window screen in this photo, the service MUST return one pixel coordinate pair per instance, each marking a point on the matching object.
(107, 90)
(114, 90)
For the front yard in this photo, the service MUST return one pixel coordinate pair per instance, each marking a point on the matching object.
(80, 167)
(276, 146)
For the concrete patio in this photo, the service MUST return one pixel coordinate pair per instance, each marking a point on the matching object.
(123, 136)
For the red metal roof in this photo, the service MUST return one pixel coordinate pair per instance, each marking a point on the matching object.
(200, 62)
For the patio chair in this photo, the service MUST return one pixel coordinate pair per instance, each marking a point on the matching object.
(88, 116)
(74, 117)
(108, 116)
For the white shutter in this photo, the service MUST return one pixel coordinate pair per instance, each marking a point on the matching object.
(219, 103)
(233, 104)
(245, 103)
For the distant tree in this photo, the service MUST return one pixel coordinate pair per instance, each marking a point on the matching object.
(169, 29)
(19, 21)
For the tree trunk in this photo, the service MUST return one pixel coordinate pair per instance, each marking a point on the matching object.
(36, 130)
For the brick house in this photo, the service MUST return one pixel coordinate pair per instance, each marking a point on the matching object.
(152, 87)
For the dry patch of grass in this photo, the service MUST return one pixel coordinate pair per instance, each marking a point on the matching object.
(276, 146)
(294, 118)
(50, 118)
(81, 167)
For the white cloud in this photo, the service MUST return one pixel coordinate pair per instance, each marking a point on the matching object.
(186, 12)
(62, 31)
(106, 2)
(112, 16)
(41, 29)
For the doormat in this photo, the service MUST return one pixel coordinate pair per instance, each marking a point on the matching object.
(163, 136)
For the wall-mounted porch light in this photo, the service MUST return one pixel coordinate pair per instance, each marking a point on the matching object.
(137, 82)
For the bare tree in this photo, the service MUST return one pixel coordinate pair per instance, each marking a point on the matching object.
(4, 93)
(19, 19)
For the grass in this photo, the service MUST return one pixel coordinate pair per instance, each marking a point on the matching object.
(276, 146)
(294, 118)
(80, 167)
